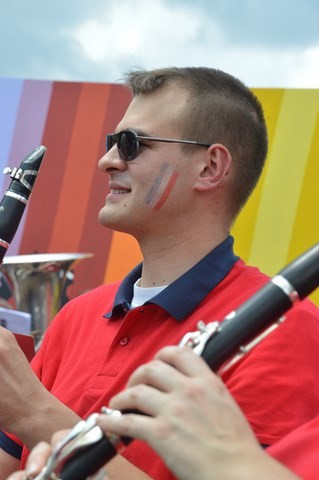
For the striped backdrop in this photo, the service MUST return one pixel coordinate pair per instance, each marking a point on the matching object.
(280, 221)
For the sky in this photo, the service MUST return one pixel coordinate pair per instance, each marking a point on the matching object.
(272, 43)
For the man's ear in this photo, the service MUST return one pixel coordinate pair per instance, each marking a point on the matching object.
(216, 166)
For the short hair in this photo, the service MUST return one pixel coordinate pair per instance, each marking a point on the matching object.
(222, 110)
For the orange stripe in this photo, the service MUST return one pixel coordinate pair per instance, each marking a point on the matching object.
(124, 255)
(91, 273)
(80, 168)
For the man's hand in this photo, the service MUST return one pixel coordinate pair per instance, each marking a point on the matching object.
(192, 420)
(21, 386)
(27, 409)
(36, 461)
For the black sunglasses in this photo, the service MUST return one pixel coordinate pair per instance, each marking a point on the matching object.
(127, 142)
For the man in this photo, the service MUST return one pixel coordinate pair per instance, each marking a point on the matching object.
(183, 161)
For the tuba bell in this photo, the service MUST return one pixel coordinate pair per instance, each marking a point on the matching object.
(37, 283)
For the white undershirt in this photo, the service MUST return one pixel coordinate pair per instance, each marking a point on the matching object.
(143, 294)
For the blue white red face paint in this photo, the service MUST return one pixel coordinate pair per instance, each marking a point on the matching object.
(161, 187)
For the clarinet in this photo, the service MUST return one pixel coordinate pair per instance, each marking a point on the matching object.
(85, 450)
(16, 197)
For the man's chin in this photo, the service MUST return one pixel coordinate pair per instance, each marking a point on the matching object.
(104, 218)
(109, 220)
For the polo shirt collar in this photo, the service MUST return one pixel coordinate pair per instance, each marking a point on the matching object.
(176, 298)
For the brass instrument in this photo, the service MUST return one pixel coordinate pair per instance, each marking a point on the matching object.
(37, 283)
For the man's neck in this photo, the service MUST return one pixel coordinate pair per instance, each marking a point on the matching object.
(168, 258)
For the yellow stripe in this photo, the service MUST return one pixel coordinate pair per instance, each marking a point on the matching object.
(306, 227)
(243, 229)
(284, 179)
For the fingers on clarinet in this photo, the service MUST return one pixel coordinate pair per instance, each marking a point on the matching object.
(144, 398)
(184, 360)
(158, 374)
(128, 425)
(38, 458)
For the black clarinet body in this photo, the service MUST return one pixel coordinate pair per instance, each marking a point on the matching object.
(217, 345)
(17, 195)
(292, 284)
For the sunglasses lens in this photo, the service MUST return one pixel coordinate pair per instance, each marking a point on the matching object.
(127, 145)
(111, 140)
(126, 142)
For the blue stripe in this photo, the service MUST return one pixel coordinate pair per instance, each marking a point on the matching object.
(10, 446)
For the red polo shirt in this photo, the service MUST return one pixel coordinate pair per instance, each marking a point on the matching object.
(87, 354)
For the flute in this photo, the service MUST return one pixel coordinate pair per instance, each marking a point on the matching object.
(86, 449)
(16, 197)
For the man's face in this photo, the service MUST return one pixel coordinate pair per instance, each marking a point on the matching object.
(148, 193)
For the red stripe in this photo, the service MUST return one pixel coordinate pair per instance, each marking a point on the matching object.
(79, 169)
(56, 137)
(167, 191)
(70, 189)
(95, 238)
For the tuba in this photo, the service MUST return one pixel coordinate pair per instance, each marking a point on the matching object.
(38, 282)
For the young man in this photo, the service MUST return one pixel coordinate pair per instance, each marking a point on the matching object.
(184, 159)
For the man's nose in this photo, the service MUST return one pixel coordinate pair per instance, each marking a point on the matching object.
(111, 160)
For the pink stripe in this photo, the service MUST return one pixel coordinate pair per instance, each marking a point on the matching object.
(30, 123)
(10, 94)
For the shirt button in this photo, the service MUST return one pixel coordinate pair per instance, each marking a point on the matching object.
(124, 341)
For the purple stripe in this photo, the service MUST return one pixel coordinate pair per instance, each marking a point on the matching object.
(30, 124)
(10, 94)
(31, 119)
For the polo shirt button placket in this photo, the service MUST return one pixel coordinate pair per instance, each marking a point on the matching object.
(124, 341)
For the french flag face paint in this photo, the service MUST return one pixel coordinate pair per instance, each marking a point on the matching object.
(162, 187)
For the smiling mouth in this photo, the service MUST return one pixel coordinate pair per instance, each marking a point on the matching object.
(118, 191)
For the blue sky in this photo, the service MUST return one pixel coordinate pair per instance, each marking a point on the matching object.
(266, 44)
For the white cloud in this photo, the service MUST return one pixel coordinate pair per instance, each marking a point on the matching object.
(265, 67)
(152, 32)
(305, 73)
(266, 45)
(155, 34)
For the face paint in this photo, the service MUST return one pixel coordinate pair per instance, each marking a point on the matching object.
(162, 186)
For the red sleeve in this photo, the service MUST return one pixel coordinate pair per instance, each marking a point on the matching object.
(299, 451)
